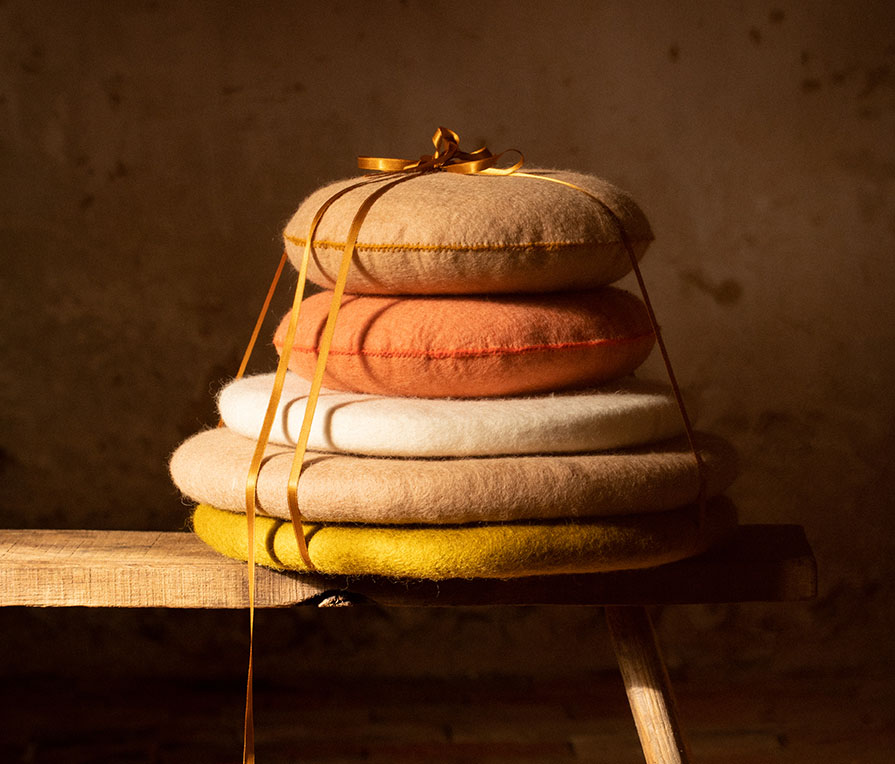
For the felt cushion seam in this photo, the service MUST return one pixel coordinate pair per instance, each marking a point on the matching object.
(327, 244)
(480, 352)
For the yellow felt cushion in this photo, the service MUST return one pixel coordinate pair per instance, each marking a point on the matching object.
(444, 233)
(506, 550)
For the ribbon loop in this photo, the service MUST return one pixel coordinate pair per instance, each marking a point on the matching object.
(447, 157)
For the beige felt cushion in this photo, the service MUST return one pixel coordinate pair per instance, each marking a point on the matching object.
(211, 467)
(504, 550)
(444, 233)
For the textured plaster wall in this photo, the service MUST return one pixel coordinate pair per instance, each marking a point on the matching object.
(150, 153)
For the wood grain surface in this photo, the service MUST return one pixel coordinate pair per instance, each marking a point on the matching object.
(647, 686)
(70, 568)
(134, 569)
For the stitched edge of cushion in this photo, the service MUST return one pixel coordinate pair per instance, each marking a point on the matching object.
(456, 246)
(638, 546)
(476, 352)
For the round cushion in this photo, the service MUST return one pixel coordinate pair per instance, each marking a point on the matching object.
(473, 346)
(444, 233)
(477, 551)
(629, 412)
(212, 466)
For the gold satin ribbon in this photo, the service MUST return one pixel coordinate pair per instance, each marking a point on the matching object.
(251, 485)
(447, 157)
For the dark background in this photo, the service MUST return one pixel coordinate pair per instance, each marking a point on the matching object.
(151, 152)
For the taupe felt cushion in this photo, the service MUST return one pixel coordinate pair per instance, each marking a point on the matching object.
(444, 233)
(211, 467)
(495, 550)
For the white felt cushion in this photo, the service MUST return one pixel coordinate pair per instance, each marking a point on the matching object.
(444, 233)
(625, 413)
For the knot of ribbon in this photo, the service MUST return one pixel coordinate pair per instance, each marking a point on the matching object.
(448, 157)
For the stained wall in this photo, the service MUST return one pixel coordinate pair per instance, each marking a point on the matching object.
(151, 152)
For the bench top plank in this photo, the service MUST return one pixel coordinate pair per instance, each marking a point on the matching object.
(77, 568)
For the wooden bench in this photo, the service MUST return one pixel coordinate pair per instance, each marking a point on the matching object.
(766, 563)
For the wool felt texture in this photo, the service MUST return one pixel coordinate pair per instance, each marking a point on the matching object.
(443, 233)
(211, 467)
(473, 346)
(628, 412)
(507, 550)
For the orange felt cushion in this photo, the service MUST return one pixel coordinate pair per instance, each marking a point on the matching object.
(471, 346)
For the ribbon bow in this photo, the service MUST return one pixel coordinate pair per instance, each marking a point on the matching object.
(447, 157)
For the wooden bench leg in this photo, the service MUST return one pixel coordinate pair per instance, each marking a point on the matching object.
(647, 684)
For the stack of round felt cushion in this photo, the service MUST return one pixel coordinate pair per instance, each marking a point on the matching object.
(479, 417)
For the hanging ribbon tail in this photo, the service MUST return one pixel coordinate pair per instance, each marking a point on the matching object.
(258, 455)
(248, 739)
